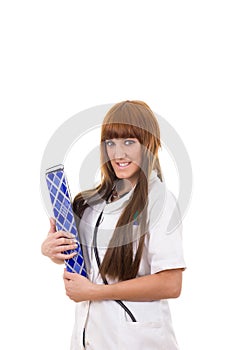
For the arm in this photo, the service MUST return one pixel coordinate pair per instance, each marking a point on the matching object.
(56, 243)
(162, 285)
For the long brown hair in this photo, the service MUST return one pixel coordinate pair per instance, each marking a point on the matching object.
(136, 120)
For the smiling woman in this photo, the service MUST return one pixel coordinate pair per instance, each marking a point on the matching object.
(125, 156)
(133, 251)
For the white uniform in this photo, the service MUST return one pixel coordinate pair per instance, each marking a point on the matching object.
(107, 325)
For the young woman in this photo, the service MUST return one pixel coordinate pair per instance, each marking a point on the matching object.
(131, 237)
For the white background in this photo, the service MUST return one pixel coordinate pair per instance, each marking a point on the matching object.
(61, 57)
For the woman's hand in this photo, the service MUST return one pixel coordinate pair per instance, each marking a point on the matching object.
(79, 288)
(57, 243)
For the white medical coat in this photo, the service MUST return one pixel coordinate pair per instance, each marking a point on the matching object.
(107, 325)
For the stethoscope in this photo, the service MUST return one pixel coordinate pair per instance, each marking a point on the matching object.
(98, 263)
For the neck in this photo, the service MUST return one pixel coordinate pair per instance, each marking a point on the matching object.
(123, 186)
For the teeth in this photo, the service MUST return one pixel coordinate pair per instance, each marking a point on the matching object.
(123, 164)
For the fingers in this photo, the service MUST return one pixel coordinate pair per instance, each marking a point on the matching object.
(68, 275)
(59, 247)
(63, 256)
(64, 234)
(72, 276)
(52, 225)
(63, 244)
(57, 243)
(66, 246)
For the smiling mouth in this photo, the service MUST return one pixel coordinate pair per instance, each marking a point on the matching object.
(123, 164)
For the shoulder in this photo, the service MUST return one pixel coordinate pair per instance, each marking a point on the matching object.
(158, 191)
(162, 203)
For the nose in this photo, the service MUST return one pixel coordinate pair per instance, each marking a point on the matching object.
(119, 151)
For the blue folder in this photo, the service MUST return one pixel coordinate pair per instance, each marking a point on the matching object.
(62, 208)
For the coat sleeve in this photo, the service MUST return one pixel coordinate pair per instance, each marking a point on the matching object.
(165, 250)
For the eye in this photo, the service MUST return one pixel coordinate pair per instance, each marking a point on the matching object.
(109, 143)
(129, 142)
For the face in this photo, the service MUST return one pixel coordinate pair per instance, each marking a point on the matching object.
(126, 157)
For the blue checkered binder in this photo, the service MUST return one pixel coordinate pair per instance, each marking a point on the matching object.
(62, 209)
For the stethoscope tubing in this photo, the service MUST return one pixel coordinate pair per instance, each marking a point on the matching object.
(98, 263)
